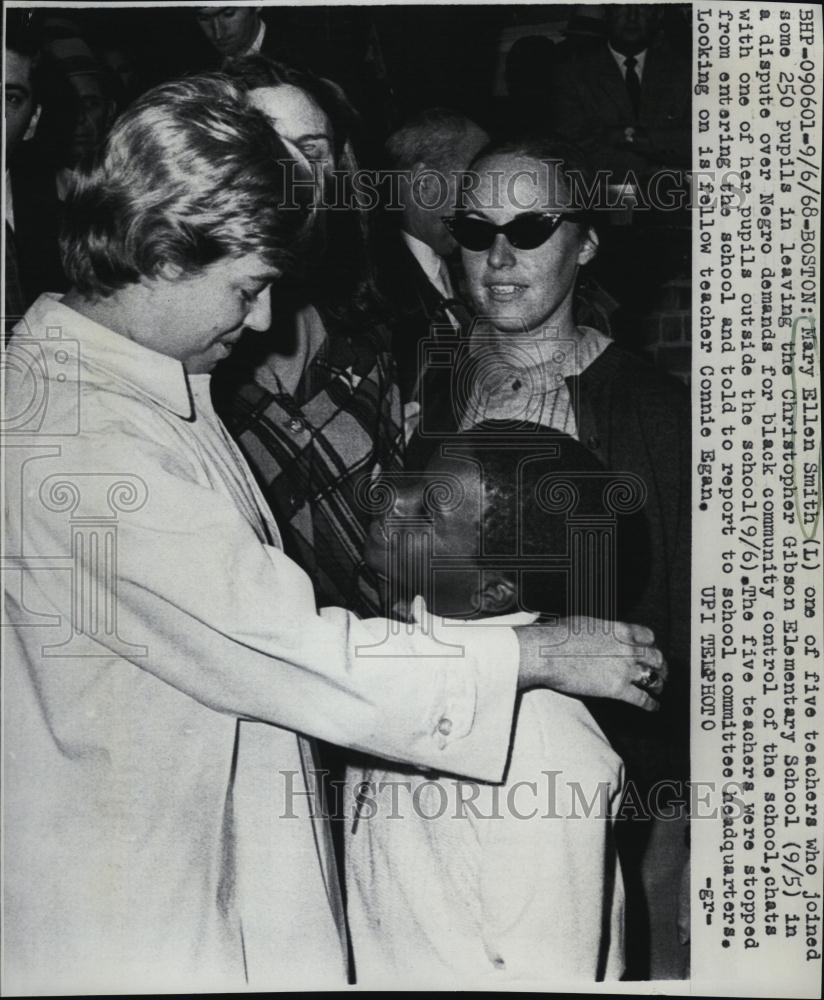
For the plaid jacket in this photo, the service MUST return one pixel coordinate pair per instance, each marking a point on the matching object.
(310, 451)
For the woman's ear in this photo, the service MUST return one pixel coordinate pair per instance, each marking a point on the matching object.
(498, 596)
(166, 272)
(589, 248)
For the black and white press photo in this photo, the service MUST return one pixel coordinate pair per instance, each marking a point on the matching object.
(389, 521)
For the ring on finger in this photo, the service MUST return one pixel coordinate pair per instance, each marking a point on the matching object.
(648, 680)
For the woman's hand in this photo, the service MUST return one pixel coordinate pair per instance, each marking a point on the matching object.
(587, 657)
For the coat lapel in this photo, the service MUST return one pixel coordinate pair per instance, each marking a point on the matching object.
(610, 86)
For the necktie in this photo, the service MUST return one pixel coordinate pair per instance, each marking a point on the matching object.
(455, 313)
(633, 84)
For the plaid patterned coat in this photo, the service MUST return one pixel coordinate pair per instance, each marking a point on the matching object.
(309, 450)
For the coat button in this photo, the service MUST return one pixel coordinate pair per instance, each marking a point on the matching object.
(593, 443)
(445, 727)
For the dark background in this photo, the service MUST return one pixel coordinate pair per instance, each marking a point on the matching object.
(393, 60)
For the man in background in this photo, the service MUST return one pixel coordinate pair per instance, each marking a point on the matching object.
(80, 125)
(430, 151)
(234, 31)
(297, 36)
(32, 212)
(626, 100)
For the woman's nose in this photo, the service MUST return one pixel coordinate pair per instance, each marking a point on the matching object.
(501, 253)
(260, 315)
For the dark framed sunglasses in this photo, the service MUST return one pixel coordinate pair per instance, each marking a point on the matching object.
(526, 232)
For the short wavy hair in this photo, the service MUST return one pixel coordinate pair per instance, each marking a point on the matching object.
(189, 174)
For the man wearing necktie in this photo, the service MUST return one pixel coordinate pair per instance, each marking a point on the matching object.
(231, 33)
(626, 101)
(429, 152)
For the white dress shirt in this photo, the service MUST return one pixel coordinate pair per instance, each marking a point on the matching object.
(161, 657)
(431, 263)
(9, 213)
(460, 884)
(621, 61)
(257, 44)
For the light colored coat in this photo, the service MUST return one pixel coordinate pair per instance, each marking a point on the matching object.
(162, 656)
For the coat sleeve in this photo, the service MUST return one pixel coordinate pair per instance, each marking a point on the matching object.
(195, 600)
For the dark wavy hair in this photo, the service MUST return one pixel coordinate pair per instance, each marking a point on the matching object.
(567, 160)
(340, 278)
(190, 173)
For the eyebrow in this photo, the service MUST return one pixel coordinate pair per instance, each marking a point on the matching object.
(265, 278)
(16, 88)
(313, 135)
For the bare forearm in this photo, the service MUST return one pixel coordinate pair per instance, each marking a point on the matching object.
(586, 657)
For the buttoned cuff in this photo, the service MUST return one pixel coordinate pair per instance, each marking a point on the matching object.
(472, 722)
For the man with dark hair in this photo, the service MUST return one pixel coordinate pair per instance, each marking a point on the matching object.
(458, 884)
(233, 31)
(89, 106)
(162, 655)
(236, 32)
(524, 236)
(32, 210)
(430, 152)
(22, 106)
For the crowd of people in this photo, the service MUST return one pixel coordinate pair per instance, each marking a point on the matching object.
(353, 559)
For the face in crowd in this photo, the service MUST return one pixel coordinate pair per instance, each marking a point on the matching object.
(630, 26)
(485, 530)
(212, 310)
(199, 319)
(518, 286)
(298, 118)
(93, 113)
(231, 30)
(20, 106)
(438, 515)
(196, 205)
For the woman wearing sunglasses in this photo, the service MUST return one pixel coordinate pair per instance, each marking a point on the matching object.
(523, 242)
